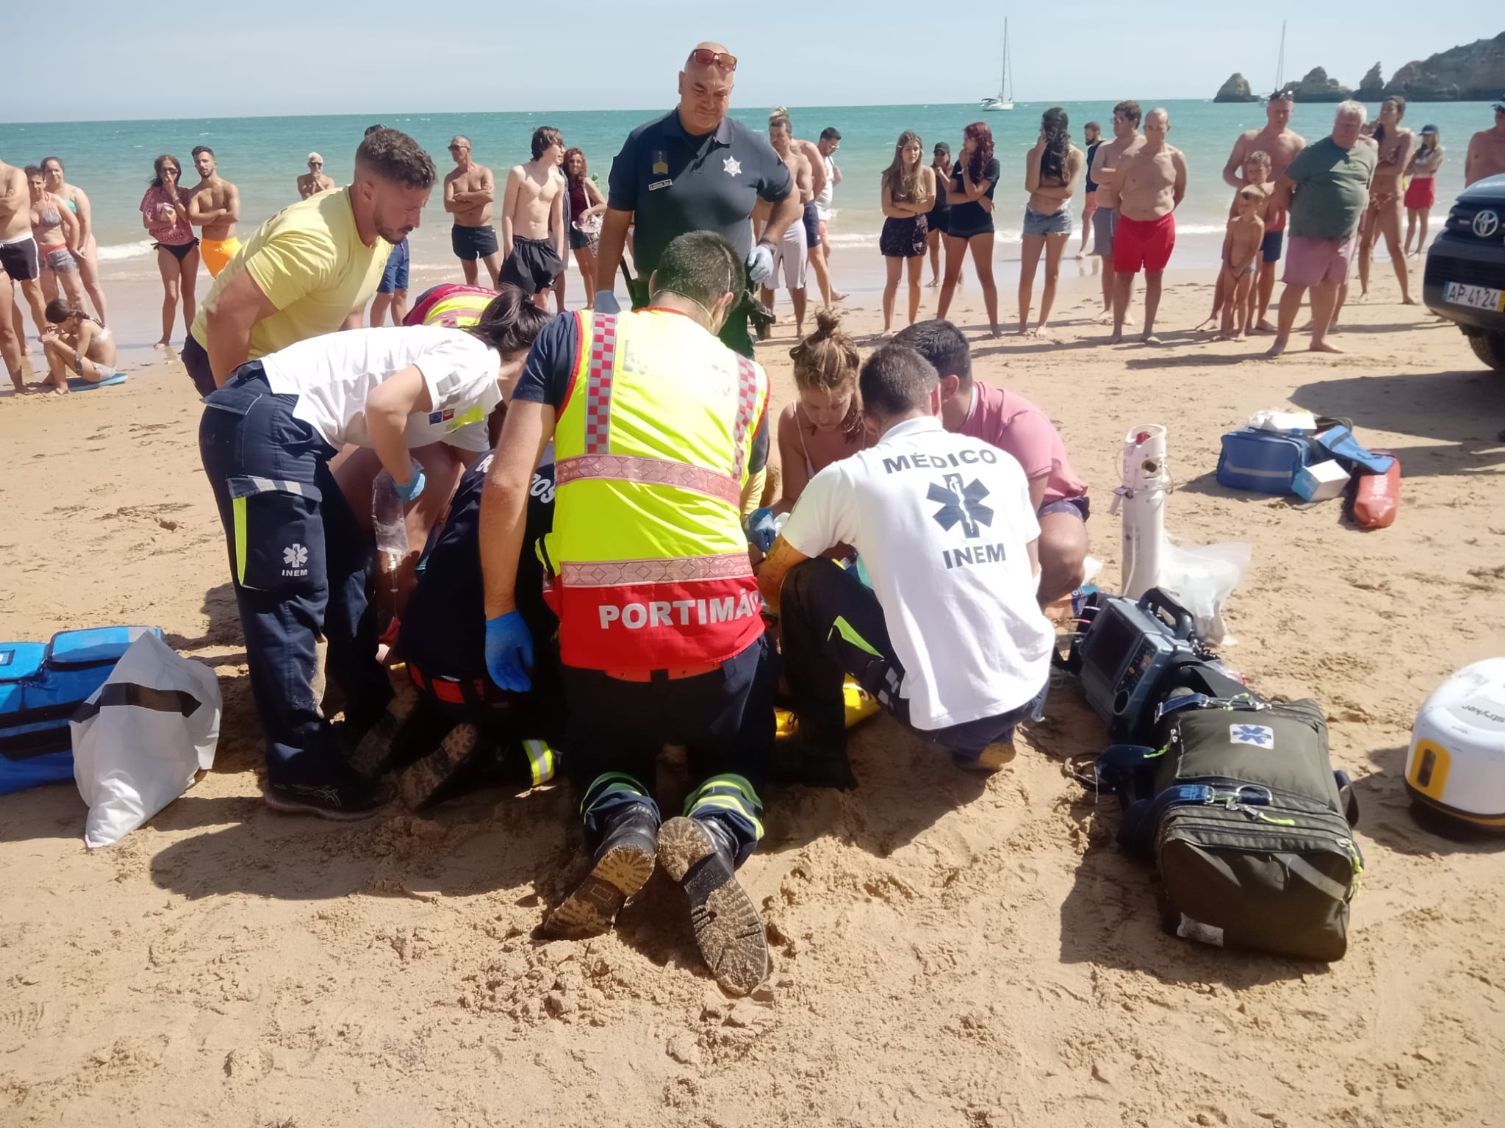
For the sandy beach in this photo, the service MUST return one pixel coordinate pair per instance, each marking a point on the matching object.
(947, 951)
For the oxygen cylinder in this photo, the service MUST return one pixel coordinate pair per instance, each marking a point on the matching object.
(1142, 499)
(1376, 497)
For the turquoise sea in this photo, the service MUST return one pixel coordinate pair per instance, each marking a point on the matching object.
(112, 161)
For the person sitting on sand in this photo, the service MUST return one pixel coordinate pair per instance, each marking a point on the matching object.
(1051, 170)
(1150, 182)
(77, 345)
(824, 424)
(1383, 218)
(1246, 231)
(1013, 424)
(1326, 189)
(949, 638)
(312, 182)
(1256, 174)
(1421, 194)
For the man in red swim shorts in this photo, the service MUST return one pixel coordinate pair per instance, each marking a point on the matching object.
(1151, 183)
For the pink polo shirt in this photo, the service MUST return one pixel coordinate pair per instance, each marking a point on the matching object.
(1013, 424)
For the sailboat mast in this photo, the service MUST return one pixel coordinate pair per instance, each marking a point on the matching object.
(1003, 74)
(1280, 64)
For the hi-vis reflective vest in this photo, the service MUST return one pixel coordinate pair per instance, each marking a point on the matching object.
(651, 450)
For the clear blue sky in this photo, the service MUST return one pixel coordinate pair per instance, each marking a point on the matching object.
(109, 60)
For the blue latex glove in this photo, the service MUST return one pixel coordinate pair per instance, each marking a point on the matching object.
(509, 652)
(760, 263)
(762, 528)
(606, 302)
(414, 487)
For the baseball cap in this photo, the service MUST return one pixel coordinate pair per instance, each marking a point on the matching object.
(1429, 129)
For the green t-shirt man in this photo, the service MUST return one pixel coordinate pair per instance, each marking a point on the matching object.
(1331, 188)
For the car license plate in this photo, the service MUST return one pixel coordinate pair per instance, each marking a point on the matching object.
(1475, 297)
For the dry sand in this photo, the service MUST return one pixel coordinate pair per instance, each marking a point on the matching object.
(947, 951)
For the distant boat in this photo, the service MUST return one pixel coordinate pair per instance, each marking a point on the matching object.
(1004, 99)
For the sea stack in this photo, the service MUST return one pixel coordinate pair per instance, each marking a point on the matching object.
(1236, 89)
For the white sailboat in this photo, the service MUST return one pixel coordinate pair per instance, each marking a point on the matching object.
(1004, 99)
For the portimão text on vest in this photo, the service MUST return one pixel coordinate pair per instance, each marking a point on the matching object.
(679, 612)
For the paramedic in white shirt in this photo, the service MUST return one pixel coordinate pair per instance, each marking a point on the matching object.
(299, 562)
(950, 638)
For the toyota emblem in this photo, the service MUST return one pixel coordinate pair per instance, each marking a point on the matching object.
(1486, 224)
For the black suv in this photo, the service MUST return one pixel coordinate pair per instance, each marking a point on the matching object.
(1465, 279)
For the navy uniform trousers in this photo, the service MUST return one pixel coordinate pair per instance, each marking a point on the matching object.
(301, 568)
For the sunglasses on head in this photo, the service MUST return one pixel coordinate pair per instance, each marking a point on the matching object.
(705, 57)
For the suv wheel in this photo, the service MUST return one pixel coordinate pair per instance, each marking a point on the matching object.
(1490, 348)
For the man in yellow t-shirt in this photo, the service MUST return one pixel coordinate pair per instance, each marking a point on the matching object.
(312, 267)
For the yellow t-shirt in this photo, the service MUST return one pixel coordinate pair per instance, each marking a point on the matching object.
(311, 264)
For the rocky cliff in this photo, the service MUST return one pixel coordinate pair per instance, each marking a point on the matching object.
(1317, 87)
(1474, 72)
(1236, 89)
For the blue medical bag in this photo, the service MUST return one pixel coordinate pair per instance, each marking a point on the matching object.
(1265, 461)
(41, 685)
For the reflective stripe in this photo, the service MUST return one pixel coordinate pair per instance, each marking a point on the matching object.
(684, 569)
(238, 512)
(608, 784)
(474, 415)
(728, 792)
(541, 762)
(649, 471)
(747, 406)
(603, 361)
(849, 632)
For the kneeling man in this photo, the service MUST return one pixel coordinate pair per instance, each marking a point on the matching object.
(1012, 423)
(950, 638)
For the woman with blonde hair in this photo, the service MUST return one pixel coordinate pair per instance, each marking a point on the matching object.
(824, 423)
(907, 193)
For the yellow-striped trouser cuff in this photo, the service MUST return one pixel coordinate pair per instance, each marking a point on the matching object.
(728, 792)
(543, 761)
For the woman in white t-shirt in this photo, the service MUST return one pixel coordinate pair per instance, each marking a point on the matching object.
(299, 563)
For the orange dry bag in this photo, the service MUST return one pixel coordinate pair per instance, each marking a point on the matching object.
(1377, 496)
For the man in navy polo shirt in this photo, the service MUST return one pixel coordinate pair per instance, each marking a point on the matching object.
(695, 169)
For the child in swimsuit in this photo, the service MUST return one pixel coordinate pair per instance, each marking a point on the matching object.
(76, 345)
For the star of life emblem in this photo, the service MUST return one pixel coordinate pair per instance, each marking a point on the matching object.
(1261, 736)
(732, 166)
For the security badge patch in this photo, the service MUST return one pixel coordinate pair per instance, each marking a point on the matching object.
(660, 170)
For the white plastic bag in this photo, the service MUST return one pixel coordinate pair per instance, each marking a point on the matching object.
(143, 736)
(1200, 578)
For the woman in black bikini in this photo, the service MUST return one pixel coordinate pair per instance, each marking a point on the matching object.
(970, 224)
(164, 214)
(935, 219)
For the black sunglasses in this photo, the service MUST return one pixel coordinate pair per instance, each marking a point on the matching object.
(705, 57)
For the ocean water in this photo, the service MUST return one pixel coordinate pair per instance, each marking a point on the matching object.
(112, 161)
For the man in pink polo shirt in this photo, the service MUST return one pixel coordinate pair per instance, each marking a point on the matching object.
(1014, 425)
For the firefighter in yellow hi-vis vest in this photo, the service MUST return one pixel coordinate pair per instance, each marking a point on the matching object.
(660, 438)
